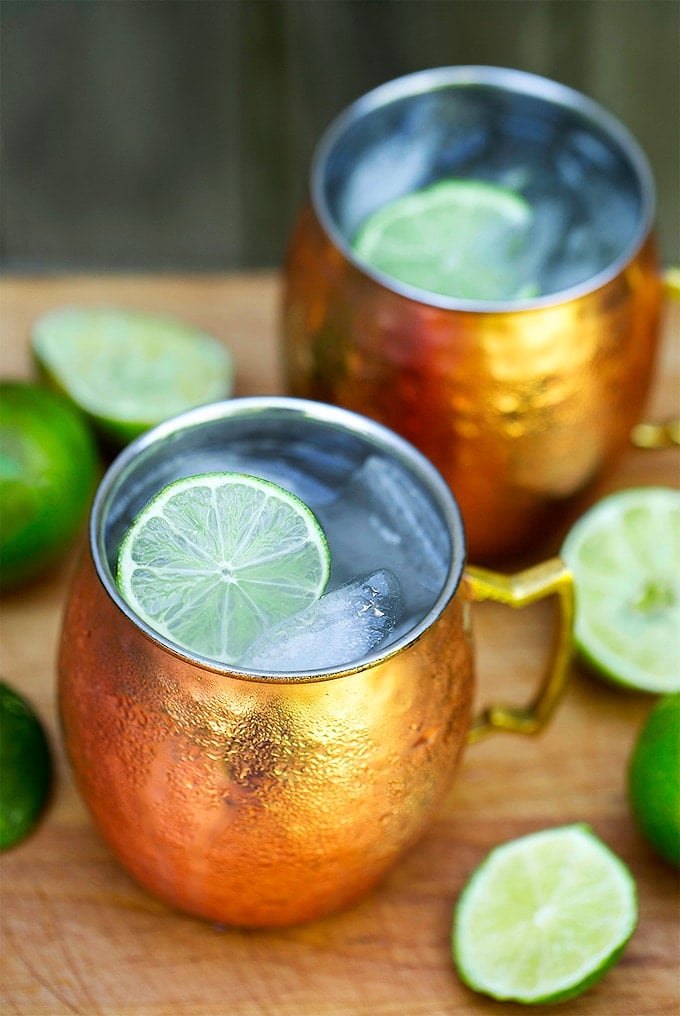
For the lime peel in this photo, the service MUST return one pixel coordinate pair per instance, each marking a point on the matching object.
(544, 916)
(215, 559)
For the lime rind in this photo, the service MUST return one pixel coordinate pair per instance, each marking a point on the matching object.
(216, 559)
(624, 553)
(129, 370)
(544, 916)
(457, 238)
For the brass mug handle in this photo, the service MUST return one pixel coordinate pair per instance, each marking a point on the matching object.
(656, 435)
(550, 578)
(666, 434)
(671, 282)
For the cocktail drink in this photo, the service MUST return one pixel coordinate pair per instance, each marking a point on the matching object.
(269, 779)
(387, 549)
(476, 269)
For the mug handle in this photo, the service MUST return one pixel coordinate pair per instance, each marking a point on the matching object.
(661, 435)
(551, 577)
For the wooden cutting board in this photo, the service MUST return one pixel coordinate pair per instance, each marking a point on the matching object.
(78, 936)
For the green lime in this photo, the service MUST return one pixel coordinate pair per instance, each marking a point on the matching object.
(458, 238)
(544, 916)
(48, 470)
(25, 768)
(214, 560)
(654, 778)
(129, 370)
(624, 553)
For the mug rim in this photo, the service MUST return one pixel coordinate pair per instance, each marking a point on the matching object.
(335, 417)
(506, 79)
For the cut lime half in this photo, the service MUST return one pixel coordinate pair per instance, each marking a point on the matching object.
(214, 560)
(128, 370)
(457, 238)
(624, 553)
(544, 916)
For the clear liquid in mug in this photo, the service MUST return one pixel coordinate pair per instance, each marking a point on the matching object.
(584, 198)
(390, 549)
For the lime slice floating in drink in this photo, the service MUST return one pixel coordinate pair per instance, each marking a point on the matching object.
(624, 553)
(544, 916)
(25, 767)
(214, 560)
(458, 238)
(129, 370)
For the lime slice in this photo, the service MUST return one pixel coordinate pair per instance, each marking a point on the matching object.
(544, 916)
(25, 767)
(458, 238)
(654, 778)
(214, 560)
(128, 370)
(624, 553)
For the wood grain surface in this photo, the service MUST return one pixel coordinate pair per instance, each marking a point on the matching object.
(78, 936)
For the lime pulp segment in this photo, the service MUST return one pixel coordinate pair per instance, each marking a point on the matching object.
(216, 559)
(459, 238)
(127, 369)
(544, 916)
(624, 553)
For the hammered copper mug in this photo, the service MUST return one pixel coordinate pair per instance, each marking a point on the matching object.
(524, 405)
(264, 799)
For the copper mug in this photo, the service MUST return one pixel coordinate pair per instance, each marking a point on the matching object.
(269, 798)
(523, 406)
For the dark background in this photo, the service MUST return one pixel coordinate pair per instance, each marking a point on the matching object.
(177, 134)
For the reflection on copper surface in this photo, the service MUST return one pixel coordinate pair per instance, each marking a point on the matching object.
(256, 802)
(521, 411)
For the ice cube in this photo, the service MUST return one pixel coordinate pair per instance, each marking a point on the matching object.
(550, 220)
(291, 474)
(601, 215)
(340, 628)
(382, 517)
(385, 172)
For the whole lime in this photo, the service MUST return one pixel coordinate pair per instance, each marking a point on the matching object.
(654, 778)
(25, 767)
(48, 469)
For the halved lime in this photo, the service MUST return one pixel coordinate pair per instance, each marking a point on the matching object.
(459, 238)
(624, 553)
(214, 560)
(129, 370)
(544, 916)
(25, 767)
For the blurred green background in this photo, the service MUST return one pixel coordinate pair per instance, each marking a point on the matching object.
(177, 134)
